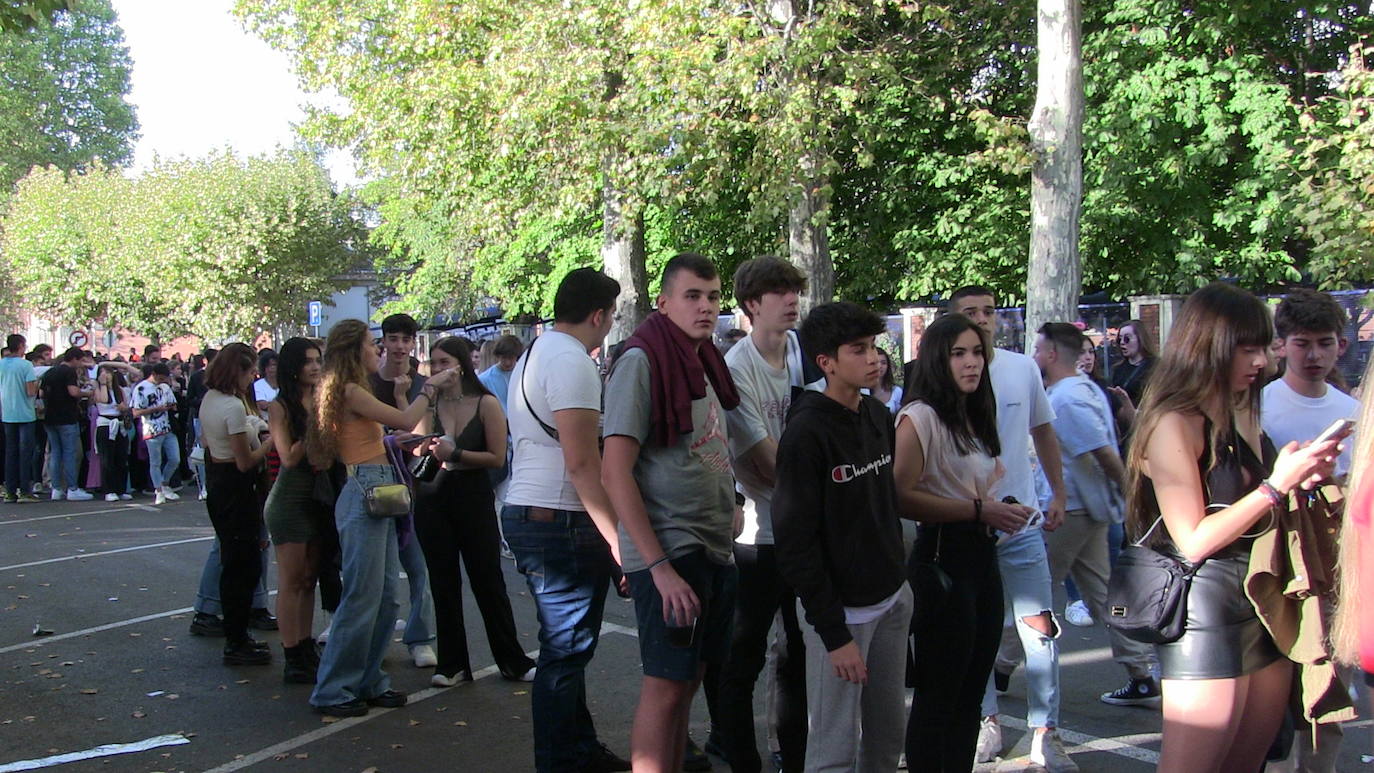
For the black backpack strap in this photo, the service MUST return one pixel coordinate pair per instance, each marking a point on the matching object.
(550, 431)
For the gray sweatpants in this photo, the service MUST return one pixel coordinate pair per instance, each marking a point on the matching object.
(859, 728)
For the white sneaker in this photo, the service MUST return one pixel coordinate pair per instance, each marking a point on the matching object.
(79, 495)
(169, 494)
(159, 498)
(1077, 614)
(58, 495)
(439, 680)
(528, 676)
(1047, 751)
(111, 497)
(424, 656)
(125, 497)
(201, 496)
(989, 741)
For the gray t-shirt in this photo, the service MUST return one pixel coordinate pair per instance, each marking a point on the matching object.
(688, 489)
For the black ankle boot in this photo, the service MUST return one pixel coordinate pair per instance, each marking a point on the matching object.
(312, 652)
(298, 668)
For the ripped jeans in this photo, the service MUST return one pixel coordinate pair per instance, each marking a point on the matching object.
(1026, 587)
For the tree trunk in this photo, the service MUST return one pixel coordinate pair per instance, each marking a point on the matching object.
(622, 252)
(1055, 277)
(808, 243)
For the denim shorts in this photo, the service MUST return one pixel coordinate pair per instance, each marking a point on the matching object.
(714, 585)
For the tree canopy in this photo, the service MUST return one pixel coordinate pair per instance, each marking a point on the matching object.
(220, 247)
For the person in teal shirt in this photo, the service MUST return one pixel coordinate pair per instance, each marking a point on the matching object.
(18, 386)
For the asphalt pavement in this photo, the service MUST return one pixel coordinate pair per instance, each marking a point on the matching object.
(114, 583)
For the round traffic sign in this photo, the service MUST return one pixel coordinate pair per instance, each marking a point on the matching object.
(78, 338)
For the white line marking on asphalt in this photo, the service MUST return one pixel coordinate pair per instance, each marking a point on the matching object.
(1123, 746)
(106, 553)
(68, 515)
(96, 629)
(291, 744)
(104, 750)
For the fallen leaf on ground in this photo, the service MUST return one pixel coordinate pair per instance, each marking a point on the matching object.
(89, 691)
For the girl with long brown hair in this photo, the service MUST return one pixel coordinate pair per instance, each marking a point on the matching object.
(1204, 480)
(350, 422)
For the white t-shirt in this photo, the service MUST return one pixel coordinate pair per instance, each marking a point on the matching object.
(1286, 416)
(1021, 407)
(222, 415)
(561, 377)
(765, 395)
(264, 392)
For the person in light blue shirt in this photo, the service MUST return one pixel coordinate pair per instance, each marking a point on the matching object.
(497, 378)
(18, 387)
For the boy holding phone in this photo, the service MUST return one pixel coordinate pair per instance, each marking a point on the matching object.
(839, 545)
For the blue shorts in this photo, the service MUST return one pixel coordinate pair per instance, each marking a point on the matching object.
(714, 585)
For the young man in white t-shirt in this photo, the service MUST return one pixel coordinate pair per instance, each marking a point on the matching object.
(558, 519)
(766, 366)
(1296, 408)
(1300, 404)
(1024, 416)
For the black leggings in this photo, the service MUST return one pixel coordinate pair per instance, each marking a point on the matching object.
(954, 648)
(114, 461)
(235, 507)
(455, 518)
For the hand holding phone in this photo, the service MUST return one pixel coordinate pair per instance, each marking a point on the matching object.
(413, 439)
(1339, 429)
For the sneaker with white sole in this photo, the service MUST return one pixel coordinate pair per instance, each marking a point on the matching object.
(58, 495)
(125, 497)
(1077, 614)
(159, 498)
(1047, 751)
(424, 656)
(1137, 692)
(112, 497)
(444, 680)
(170, 494)
(79, 495)
(989, 741)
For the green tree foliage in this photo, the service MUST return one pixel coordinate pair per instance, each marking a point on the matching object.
(64, 76)
(220, 247)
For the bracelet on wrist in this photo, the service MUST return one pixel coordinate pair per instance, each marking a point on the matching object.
(661, 559)
(1276, 497)
(977, 511)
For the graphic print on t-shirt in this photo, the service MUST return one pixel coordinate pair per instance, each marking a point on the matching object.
(709, 444)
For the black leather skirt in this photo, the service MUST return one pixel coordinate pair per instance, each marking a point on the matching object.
(1223, 637)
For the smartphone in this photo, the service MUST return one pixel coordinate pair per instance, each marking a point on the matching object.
(1338, 429)
(420, 438)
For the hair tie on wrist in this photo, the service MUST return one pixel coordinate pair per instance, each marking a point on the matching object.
(1276, 498)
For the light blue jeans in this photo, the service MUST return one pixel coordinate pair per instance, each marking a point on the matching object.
(420, 621)
(64, 450)
(1026, 587)
(351, 668)
(207, 597)
(164, 456)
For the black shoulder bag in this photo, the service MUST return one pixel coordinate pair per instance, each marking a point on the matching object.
(1147, 596)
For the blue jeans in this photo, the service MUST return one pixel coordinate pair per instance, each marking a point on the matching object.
(207, 597)
(351, 668)
(420, 621)
(1025, 569)
(18, 451)
(64, 448)
(164, 456)
(568, 567)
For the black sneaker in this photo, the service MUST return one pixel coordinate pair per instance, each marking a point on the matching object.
(353, 708)
(695, 759)
(1137, 692)
(391, 699)
(245, 654)
(603, 760)
(262, 620)
(206, 625)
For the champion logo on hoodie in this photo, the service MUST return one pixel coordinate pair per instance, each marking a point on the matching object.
(844, 473)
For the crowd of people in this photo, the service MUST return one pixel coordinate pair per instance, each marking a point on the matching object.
(776, 503)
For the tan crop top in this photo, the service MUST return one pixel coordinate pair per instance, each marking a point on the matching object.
(360, 440)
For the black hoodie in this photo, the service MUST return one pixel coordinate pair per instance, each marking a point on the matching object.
(835, 522)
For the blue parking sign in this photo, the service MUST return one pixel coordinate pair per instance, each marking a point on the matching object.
(315, 311)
